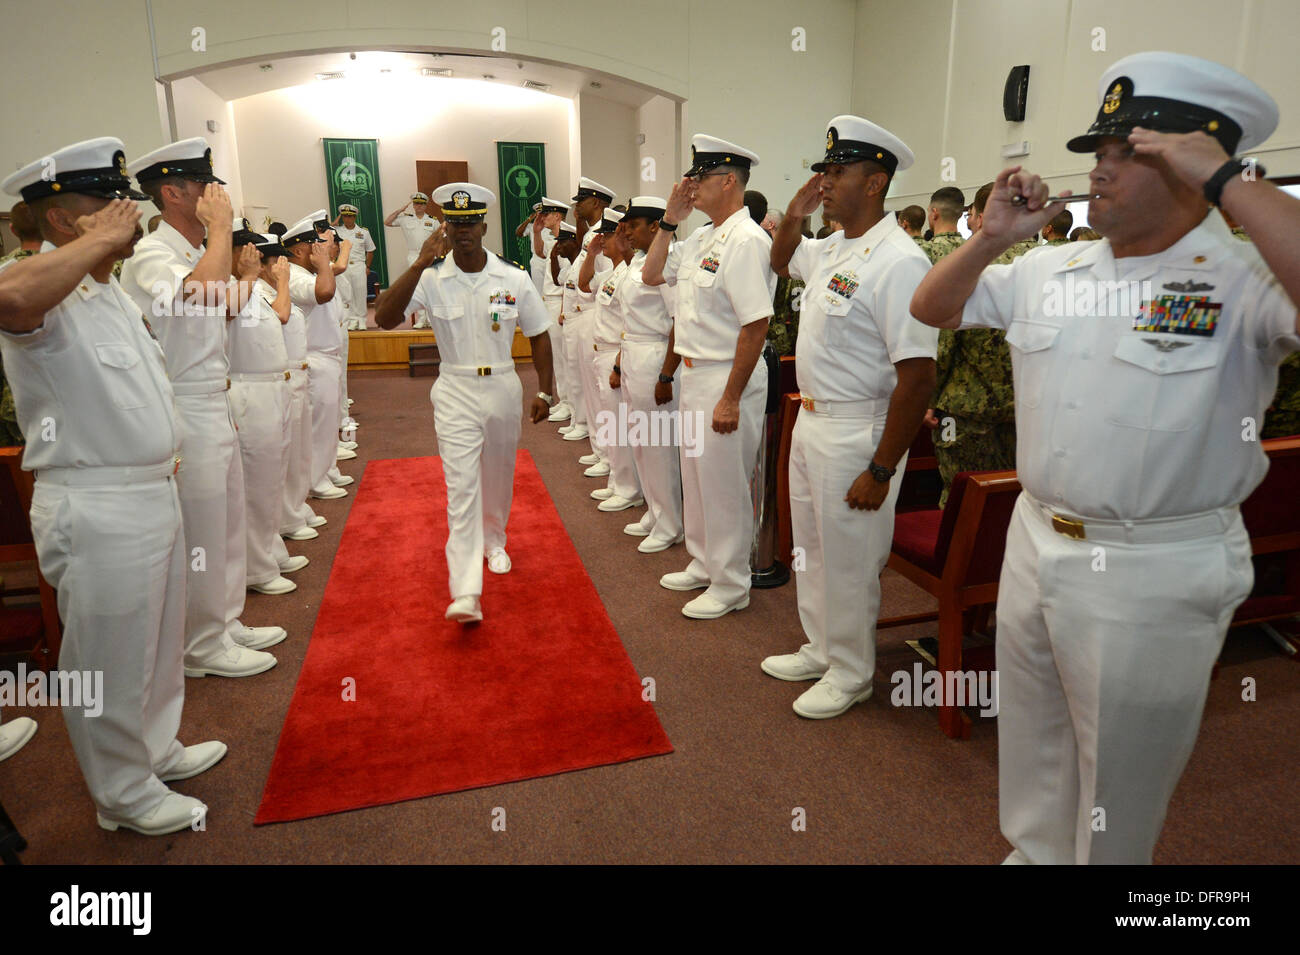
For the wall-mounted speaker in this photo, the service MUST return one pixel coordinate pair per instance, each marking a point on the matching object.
(1015, 94)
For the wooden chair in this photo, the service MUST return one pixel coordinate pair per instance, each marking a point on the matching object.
(1272, 518)
(956, 555)
(33, 630)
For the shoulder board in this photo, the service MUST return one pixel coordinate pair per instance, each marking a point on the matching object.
(513, 265)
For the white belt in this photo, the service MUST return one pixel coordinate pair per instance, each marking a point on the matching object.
(200, 387)
(476, 371)
(109, 476)
(701, 362)
(604, 346)
(1160, 530)
(866, 408)
(259, 376)
(646, 339)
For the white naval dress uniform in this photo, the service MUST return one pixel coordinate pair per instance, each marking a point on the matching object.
(258, 394)
(854, 327)
(578, 316)
(724, 280)
(324, 360)
(92, 395)
(352, 282)
(1129, 422)
(647, 323)
(553, 299)
(415, 232)
(295, 511)
(476, 412)
(607, 337)
(211, 483)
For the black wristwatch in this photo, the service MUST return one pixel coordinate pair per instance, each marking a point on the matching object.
(617, 370)
(666, 227)
(882, 475)
(1213, 187)
(665, 379)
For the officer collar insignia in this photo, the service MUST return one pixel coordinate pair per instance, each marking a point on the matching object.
(460, 199)
(1123, 86)
(844, 284)
(1188, 286)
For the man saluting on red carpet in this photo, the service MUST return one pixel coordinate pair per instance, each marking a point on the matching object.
(473, 301)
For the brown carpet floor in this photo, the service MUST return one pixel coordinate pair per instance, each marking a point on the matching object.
(881, 784)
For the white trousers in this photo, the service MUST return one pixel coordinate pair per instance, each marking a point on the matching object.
(417, 316)
(844, 549)
(116, 556)
(618, 450)
(211, 487)
(259, 408)
(658, 467)
(325, 371)
(575, 328)
(717, 509)
(294, 510)
(591, 388)
(556, 332)
(477, 422)
(343, 380)
(1104, 659)
(352, 285)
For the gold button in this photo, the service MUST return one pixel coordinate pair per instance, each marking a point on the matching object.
(1199, 258)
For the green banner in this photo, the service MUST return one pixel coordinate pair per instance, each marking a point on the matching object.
(352, 175)
(522, 168)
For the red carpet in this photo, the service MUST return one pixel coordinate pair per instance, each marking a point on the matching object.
(541, 686)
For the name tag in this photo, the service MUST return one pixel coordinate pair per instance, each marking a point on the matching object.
(1179, 315)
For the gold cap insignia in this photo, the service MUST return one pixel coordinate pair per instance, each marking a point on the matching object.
(830, 138)
(460, 199)
(1112, 100)
(119, 160)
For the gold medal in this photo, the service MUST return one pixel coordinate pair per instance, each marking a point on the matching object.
(496, 326)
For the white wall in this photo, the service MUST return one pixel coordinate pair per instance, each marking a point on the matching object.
(656, 120)
(932, 72)
(194, 105)
(282, 161)
(609, 150)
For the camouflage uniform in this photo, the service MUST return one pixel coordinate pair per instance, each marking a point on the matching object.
(784, 327)
(1283, 416)
(974, 399)
(919, 240)
(1057, 241)
(941, 245)
(10, 434)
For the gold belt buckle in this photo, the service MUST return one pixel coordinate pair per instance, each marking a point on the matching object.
(227, 384)
(305, 366)
(484, 370)
(808, 403)
(176, 464)
(286, 375)
(688, 363)
(1063, 525)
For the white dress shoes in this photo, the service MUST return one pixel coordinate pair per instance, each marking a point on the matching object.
(348, 445)
(653, 545)
(602, 493)
(303, 533)
(343, 480)
(174, 813)
(236, 662)
(198, 758)
(707, 607)
(316, 521)
(15, 734)
(589, 459)
(275, 587)
(564, 429)
(465, 610)
(681, 580)
(599, 469)
(498, 561)
(791, 667)
(579, 433)
(635, 530)
(824, 701)
(295, 563)
(617, 503)
(344, 454)
(328, 494)
(258, 638)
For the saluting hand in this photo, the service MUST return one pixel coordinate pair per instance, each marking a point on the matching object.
(867, 494)
(681, 202)
(249, 263)
(429, 250)
(213, 208)
(320, 256)
(1193, 157)
(115, 223)
(807, 199)
(1009, 223)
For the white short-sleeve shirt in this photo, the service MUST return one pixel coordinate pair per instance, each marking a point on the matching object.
(193, 337)
(359, 236)
(254, 342)
(724, 280)
(463, 309)
(645, 308)
(854, 322)
(323, 319)
(609, 310)
(416, 231)
(90, 385)
(1137, 379)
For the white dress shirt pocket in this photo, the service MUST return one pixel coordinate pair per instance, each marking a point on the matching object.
(127, 381)
(451, 324)
(1162, 382)
(1032, 342)
(836, 327)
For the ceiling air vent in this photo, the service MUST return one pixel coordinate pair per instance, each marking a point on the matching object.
(435, 71)
(337, 75)
(534, 85)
